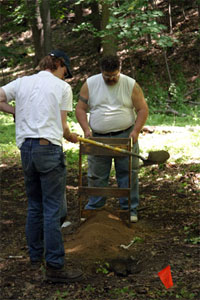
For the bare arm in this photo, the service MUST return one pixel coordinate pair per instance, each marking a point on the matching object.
(4, 106)
(71, 137)
(81, 110)
(141, 109)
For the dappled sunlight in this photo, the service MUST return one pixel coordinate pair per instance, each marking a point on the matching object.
(70, 146)
(182, 143)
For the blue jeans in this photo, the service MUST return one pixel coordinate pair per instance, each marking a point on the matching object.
(99, 171)
(45, 182)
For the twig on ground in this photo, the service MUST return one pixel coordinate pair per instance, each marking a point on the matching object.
(191, 92)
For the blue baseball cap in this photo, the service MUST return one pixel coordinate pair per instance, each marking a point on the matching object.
(61, 54)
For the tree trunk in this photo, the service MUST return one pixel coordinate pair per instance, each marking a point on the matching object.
(78, 13)
(46, 20)
(96, 22)
(170, 17)
(167, 67)
(108, 41)
(34, 17)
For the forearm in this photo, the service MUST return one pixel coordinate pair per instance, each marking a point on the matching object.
(7, 108)
(4, 106)
(70, 136)
(81, 116)
(66, 131)
(140, 120)
(141, 109)
(139, 123)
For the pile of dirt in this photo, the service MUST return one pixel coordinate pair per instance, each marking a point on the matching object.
(99, 238)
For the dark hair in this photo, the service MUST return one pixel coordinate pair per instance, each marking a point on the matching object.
(50, 62)
(110, 63)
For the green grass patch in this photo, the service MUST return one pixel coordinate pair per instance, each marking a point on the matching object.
(182, 143)
(8, 149)
(192, 119)
(181, 140)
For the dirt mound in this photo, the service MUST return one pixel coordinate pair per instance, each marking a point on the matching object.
(99, 238)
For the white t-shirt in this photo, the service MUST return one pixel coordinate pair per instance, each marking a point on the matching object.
(39, 99)
(111, 107)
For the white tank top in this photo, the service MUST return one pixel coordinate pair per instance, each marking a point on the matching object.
(111, 107)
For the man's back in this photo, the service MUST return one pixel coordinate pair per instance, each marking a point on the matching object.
(39, 100)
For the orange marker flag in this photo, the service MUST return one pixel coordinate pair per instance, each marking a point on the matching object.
(166, 277)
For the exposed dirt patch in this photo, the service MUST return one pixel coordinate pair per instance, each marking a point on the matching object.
(166, 234)
(102, 239)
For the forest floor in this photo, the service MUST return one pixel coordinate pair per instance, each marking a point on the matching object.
(168, 229)
(167, 234)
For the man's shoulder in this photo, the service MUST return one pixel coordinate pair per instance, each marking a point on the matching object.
(127, 79)
(95, 77)
(52, 78)
(26, 78)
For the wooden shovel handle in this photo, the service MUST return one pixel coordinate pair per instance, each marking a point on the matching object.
(109, 147)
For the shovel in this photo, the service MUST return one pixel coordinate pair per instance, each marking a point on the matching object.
(154, 157)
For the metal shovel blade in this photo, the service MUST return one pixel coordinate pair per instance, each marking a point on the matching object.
(156, 157)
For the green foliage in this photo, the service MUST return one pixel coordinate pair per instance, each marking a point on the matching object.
(84, 26)
(7, 137)
(178, 293)
(89, 289)
(192, 234)
(14, 13)
(160, 97)
(193, 240)
(155, 119)
(59, 10)
(60, 295)
(13, 56)
(8, 54)
(19, 14)
(103, 268)
(123, 291)
(185, 294)
(72, 157)
(129, 22)
(15, 16)
(137, 240)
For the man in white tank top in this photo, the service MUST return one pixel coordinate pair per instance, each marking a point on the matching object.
(117, 109)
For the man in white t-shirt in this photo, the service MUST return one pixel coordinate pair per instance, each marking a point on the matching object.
(117, 110)
(42, 101)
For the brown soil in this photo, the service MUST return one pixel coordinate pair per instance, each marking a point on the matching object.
(99, 239)
(166, 234)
